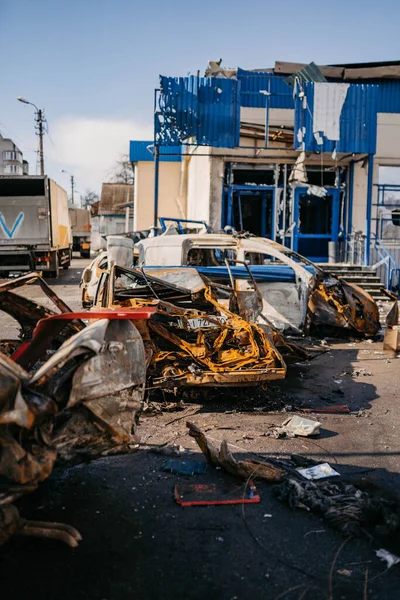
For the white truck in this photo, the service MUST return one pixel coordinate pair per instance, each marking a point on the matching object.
(35, 232)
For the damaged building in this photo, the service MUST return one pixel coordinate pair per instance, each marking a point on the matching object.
(294, 153)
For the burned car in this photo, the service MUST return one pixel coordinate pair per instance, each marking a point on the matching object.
(69, 392)
(298, 296)
(193, 338)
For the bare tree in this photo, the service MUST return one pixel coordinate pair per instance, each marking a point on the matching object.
(122, 171)
(89, 198)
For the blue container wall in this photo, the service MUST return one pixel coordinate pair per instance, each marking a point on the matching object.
(252, 83)
(388, 100)
(357, 121)
(205, 108)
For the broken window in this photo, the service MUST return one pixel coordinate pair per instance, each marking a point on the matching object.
(253, 176)
(208, 257)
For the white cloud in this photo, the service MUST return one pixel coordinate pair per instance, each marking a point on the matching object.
(89, 147)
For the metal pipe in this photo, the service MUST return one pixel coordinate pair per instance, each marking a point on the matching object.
(369, 208)
(350, 199)
(266, 121)
(156, 182)
(156, 166)
(284, 203)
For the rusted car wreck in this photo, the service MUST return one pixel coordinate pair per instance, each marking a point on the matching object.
(68, 392)
(196, 336)
(72, 385)
(298, 296)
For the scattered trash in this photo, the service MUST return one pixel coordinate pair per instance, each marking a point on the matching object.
(211, 495)
(188, 467)
(388, 557)
(267, 516)
(338, 381)
(170, 450)
(337, 409)
(299, 426)
(352, 510)
(361, 372)
(344, 572)
(223, 458)
(321, 471)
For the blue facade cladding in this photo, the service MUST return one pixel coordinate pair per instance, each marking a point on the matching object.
(143, 151)
(204, 108)
(253, 82)
(388, 95)
(357, 121)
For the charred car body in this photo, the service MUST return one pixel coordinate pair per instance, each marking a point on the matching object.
(68, 392)
(194, 338)
(297, 295)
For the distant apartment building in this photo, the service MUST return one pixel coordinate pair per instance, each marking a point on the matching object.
(11, 159)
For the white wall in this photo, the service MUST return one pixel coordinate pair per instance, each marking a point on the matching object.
(388, 142)
(199, 185)
(169, 179)
(276, 116)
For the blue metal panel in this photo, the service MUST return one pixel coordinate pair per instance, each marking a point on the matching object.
(204, 108)
(260, 273)
(389, 96)
(251, 84)
(357, 121)
(143, 151)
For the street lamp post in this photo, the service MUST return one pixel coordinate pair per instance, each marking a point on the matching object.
(40, 121)
(72, 184)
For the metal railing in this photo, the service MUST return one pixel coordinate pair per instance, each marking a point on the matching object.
(381, 260)
(355, 249)
(385, 266)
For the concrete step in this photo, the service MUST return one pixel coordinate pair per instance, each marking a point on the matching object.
(368, 286)
(342, 267)
(359, 277)
(351, 271)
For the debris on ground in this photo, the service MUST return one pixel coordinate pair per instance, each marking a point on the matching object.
(351, 509)
(297, 426)
(337, 409)
(210, 495)
(222, 457)
(187, 467)
(391, 340)
(169, 450)
(388, 557)
(321, 471)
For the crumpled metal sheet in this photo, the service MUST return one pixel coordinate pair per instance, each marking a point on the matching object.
(222, 457)
(61, 412)
(339, 304)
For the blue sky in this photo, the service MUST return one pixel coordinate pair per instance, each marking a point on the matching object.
(93, 64)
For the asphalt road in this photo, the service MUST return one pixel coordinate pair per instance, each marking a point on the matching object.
(138, 543)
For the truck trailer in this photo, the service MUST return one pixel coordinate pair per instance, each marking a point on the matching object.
(81, 230)
(35, 232)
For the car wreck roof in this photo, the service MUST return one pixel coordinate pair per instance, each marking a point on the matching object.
(209, 238)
